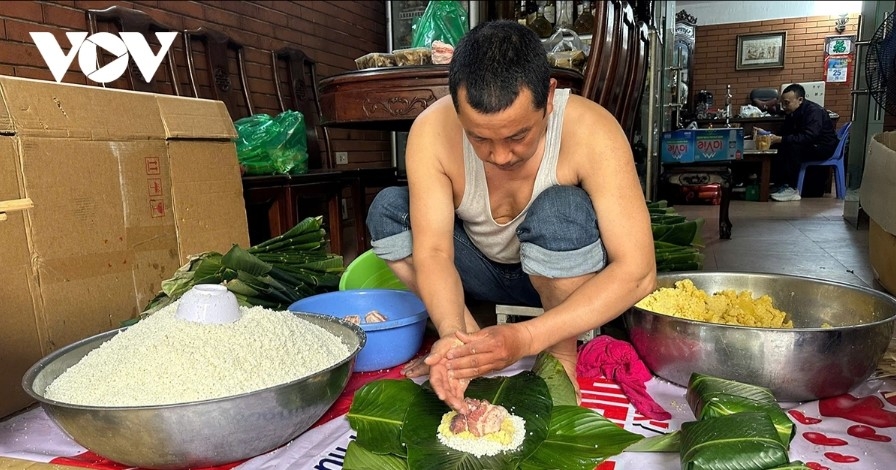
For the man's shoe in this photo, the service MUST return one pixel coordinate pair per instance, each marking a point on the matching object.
(786, 193)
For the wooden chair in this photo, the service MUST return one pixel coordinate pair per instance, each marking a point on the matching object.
(613, 96)
(297, 193)
(602, 58)
(637, 79)
(130, 20)
(219, 82)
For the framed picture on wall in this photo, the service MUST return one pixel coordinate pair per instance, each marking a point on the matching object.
(761, 50)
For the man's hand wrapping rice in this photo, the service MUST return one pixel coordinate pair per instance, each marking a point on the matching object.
(488, 350)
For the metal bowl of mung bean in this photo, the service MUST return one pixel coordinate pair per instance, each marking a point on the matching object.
(839, 335)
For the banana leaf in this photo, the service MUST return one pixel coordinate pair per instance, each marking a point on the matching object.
(359, 458)
(660, 246)
(573, 438)
(685, 266)
(667, 219)
(703, 387)
(663, 443)
(378, 413)
(691, 255)
(685, 233)
(272, 274)
(241, 260)
(305, 226)
(525, 395)
(723, 404)
(579, 439)
(661, 210)
(560, 387)
(795, 465)
(657, 204)
(710, 397)
(203, 266)
(742, 441)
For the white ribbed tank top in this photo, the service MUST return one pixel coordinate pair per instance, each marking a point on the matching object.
(498, 241)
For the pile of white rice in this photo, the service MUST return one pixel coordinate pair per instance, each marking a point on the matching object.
(508, 439)
(165, 360)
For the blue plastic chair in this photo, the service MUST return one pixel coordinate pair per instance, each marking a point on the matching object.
(835, 161)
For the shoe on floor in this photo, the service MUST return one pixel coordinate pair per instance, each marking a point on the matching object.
(786, 193)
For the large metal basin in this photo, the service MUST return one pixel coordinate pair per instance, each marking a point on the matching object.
(804, 363)
(196, 434)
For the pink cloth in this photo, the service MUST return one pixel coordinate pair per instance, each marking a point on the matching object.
(617, 360)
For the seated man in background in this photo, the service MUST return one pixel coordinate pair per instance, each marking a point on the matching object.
(518, 193)
(807, 134)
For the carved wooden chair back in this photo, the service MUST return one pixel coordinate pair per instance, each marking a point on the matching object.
(302, 96)
(602, 57)
(166, 80)
(626, 41)
(219, 83)
(638, 77)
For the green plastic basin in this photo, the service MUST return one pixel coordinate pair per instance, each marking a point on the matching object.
(368, 271)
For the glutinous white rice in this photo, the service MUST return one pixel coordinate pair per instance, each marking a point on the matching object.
(165, 360)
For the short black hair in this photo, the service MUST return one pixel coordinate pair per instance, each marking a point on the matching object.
(797, 89)
(494, 61)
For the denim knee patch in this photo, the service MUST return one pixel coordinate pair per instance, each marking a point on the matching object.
(559, 237)
(389, 222)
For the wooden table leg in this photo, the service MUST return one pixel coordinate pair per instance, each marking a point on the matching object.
(724, 221)
(765, 177)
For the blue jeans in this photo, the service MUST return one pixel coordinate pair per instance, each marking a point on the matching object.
(559, 238)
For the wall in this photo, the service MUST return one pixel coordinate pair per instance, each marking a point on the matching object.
(709, 12)
(715, 55)
(331, 33)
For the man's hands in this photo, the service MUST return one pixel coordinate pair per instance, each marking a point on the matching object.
(458, 358)
(773, 138)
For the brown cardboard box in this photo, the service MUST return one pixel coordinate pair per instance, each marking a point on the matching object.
(125, 187)
(877, 196)
(882, 251)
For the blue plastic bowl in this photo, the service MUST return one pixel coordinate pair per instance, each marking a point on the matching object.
(389, 343)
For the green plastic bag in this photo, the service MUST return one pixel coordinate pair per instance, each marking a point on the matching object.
(443, 20)
(272, 145)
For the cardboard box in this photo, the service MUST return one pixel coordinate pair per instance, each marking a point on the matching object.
(877, 196)
(125, 187)
(701, 145)
(882, 251)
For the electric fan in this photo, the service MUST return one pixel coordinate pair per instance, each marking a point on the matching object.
(880, 66)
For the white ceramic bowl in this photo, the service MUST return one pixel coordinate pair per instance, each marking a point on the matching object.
(209, 303)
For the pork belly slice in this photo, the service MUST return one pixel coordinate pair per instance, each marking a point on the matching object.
(483, 418)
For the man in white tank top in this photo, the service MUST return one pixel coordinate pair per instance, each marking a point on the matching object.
(517, 193)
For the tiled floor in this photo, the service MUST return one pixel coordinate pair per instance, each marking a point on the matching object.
(808, 238)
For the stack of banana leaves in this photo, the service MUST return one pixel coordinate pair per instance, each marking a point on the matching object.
(676, 240)
(272, 274)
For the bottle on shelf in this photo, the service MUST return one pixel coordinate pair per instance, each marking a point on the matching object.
(585, 22)
(564, 14)
(550, 12)
(541, 25)
(522, 14)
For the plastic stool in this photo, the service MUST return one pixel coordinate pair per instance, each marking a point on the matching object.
(504, 311)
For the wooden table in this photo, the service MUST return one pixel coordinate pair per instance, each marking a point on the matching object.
(721, 168)
(389, 99)
(764, 157)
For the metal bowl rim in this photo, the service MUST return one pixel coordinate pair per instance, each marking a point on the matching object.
(31, 374)
(687, 274)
